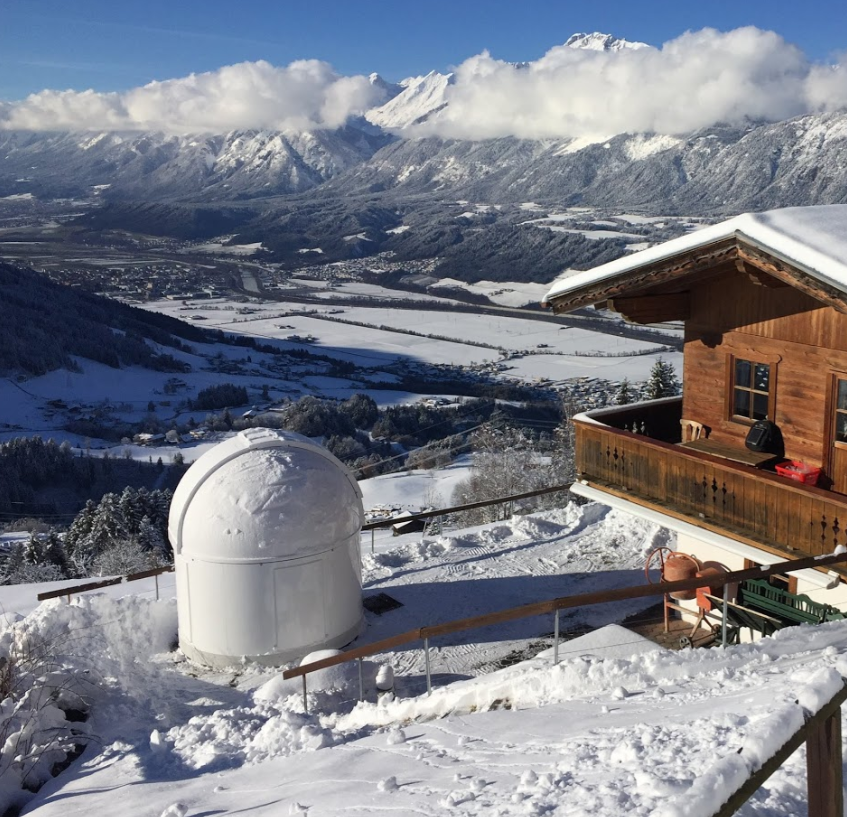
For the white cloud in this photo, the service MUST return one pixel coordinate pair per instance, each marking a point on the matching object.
(306, 94)
(694, 81)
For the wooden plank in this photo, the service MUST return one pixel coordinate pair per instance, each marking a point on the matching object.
(760, 506)
(824, 769)
(783, 271)
(351, 655)
(78, 588)
(696, 262)
(674, 306)
(831, 798)
(484, 503)
(564, 603)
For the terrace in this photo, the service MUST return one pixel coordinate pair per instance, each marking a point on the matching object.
(635, 452)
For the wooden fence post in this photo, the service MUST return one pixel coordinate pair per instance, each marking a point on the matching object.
(824, 772)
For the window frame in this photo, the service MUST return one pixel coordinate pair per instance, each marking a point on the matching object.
(754, 359)
(834, 411)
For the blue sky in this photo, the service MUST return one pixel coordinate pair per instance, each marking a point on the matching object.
(112, 45)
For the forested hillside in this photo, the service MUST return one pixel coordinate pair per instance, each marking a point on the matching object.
(44, 325)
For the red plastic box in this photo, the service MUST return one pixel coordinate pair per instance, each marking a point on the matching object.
(794, 469)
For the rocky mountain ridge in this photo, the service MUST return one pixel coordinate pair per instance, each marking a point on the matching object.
(715, 171)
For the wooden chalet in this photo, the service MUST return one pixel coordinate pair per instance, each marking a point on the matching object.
(763, 300)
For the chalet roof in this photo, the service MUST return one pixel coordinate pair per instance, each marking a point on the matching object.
(812, 240)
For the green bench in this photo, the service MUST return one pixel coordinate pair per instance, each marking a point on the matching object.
(790, 608)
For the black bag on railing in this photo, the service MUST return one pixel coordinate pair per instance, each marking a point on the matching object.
(763, 436)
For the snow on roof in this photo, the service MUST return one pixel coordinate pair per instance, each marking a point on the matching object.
(813, 239)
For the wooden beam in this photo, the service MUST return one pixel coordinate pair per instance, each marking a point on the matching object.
(824, 770)
(759, 277)
(791, 276)
(830, 797)
(760, 266)
(695, 261)
(653, 308)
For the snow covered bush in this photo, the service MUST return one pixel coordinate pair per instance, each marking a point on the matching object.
(60, 667)
(509, 461)
(41, 711)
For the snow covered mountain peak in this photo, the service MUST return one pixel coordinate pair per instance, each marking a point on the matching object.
(419, 98)
(597, 41)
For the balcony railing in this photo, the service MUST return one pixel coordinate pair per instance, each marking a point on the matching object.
(751, 505)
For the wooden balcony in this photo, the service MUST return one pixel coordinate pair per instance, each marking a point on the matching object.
(648, 466)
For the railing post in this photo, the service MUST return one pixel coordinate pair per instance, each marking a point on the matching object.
(824, 773)
(426, 661)
(556, 639)
(361, 682)
(723, 617)
(305, 701)
(373, 532)
(156, 578)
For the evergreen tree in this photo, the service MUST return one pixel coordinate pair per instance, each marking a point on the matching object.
(662, 382)
(109, 528)
(624, 394)
(150, 537)
(32, 554)
(54, 552)
(12, 564)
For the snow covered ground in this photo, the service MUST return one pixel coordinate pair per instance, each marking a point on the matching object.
(619, 726)
(511, 349)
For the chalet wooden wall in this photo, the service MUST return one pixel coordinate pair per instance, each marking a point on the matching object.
(731, 315)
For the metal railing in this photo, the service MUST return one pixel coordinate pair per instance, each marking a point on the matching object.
(82, 588)
(553, 606)
(470, 506)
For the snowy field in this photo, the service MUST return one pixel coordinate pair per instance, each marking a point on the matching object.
(619, 726)
(523, 350)
(375, 344)
(358, 289)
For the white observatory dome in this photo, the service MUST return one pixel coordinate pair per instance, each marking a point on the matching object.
(265, 529)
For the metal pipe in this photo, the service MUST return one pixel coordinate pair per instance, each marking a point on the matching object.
(361, 682)
(373, 533)
(556, 639)
(426, 660)
(156, 577)
(725, 609)
(305, 702)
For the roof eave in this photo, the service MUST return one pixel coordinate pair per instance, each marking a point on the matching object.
(737, 247)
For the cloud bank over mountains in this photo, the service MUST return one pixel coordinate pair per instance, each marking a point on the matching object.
(694, 81)
(305, 95)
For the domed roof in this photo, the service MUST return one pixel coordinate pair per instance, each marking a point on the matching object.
(264, 495)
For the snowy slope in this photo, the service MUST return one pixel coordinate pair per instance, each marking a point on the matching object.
(422, 97)
(419, 99)
(641, 732)
(597, 41)
(619, 726)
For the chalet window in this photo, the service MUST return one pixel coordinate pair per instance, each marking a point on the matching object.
(841, 412)
(751, 389)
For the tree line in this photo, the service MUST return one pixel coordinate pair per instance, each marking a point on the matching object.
(122, 533)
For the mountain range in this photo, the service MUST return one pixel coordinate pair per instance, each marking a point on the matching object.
(379, 158)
